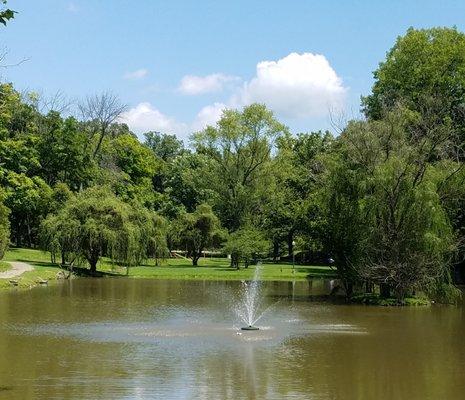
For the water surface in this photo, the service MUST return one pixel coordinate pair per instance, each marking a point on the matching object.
(146, 339)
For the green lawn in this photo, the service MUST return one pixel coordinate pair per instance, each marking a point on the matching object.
(208, 269)
(4, 266)
(44, 269)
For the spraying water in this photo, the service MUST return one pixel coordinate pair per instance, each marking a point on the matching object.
(251, 299)
(250, 309)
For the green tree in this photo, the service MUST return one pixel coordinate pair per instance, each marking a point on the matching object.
(199, 231)
(424, 69)
(29, 200)
(6, 14)
(246, 245)
(63, 153)
(4, 227)
(384, 218)
(96, 223)
(295, 169)
(240, 148)
(165, 147)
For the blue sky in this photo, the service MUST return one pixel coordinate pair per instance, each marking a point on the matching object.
(178, 63)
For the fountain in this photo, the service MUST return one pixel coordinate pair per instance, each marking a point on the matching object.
(250, 304)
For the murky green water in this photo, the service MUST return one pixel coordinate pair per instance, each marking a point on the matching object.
(148, 339)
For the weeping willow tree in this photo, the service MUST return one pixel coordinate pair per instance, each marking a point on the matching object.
(385, 220)
(96, 223)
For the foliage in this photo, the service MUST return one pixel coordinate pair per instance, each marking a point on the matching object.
(246, 245)
(240, 146)
(6, 14)
(95, 223)
(4, 227)
(423, 65)
(198, 231)
(165, 147)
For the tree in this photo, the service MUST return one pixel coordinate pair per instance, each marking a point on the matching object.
(246, 245)
(240, 147)
(425, 68)
(63, 153)
(185, 184)
(29, 200)
(164, 146)
(295, 169)
(198, 231)
(6, 14)
(4, 227)
(101, 111)
(383, 214)
(157, 246)
(96, 223)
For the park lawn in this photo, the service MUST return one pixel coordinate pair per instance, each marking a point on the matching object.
(43, 268)
(4, 266)
(219, 269)
(175, 268)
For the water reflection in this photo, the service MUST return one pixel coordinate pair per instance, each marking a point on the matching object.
(142, 339)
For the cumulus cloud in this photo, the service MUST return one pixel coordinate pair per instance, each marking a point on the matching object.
(194, 85)
(208, 115)
(134, 75)
(296, 86)
(144, 117)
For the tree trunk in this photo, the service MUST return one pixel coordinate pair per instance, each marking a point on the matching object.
(384, 290)
(349, 288)
(28, 227)
(275, 250)
(93, 267)
(290, 240)
(368, 286)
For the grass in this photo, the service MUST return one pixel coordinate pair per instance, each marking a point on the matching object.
(4, 266)
(217, 269)
(208, 269)
(43, 268)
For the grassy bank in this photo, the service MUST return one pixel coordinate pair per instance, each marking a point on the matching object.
(208, 269)
(43, 268)
(4, 266)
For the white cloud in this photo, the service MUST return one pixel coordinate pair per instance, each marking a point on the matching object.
(194, 85)
(296, 86)
(144, 117)
(138, 74)
(208, 115)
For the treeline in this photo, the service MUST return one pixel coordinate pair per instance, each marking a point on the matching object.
(384, 199)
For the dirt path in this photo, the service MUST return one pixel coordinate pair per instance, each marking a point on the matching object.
(17, 269)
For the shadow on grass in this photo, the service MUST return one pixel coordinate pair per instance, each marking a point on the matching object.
(181, 266)
(315, 271)
(39, 263)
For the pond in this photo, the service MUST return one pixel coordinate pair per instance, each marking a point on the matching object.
(168, 339)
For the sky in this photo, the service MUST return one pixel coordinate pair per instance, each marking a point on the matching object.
(178, 64)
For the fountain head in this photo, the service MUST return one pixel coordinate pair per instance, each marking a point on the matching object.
(249, 328)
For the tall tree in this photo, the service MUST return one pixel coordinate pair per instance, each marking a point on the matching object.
(424, 69)
(101, 111)
(199, 231)
(240, 146)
